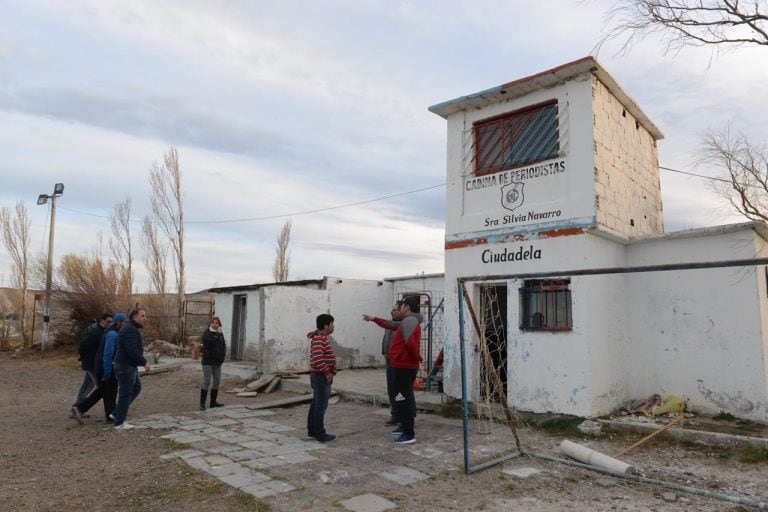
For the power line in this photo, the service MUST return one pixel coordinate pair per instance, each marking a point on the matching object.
(694, 174)
(278, 216)
(347, 205)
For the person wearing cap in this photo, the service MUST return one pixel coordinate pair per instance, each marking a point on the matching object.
(389, 326)
(405, 357)
(106, 389)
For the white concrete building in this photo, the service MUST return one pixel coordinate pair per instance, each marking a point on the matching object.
(268, 323)
(551, 178)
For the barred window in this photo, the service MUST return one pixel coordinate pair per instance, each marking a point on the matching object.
(545, 305)
(516, 139)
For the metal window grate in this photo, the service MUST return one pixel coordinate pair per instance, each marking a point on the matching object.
(546, 306)
(516, 139)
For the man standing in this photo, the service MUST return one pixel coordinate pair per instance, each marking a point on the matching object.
(86, 352)
(404, 357)
(389, 327)
(322, 368)
(129, 355)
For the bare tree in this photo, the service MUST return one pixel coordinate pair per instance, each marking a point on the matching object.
(120, 242)
(728, 23)
(746, 165)
(281, 267)
(168, 208)
(155, 260)
(16, 238)
(155, 256)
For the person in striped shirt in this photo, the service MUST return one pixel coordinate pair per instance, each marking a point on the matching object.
(322, 368)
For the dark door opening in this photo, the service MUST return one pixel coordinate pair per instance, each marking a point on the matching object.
(237, 343)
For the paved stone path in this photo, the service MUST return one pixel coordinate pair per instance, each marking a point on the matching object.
(234, 443)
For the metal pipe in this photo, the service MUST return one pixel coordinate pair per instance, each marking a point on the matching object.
(620, 270)
(464, 400)
(760, 505)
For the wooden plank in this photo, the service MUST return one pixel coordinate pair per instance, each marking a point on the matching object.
(256, 385)
(272, 385)
(285, 402)
(247, 393)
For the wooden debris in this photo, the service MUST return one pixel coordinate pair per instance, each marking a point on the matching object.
(286, 402)
(235, 390)
(248, 393)
(273, 384)
(258, 384)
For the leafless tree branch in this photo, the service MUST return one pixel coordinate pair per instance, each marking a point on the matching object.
(746, 167)
(168, 208)
(726, 23)
(281, 267)
(15, 229)
(120, 243)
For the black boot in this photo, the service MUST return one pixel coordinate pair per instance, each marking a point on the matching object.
(203, 396)
(214, 395)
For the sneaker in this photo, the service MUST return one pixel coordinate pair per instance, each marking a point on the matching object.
(325, 438)
(77, 415)
(111, 417)
(392, 421)
(405, 439)
(124, 426)
(398, 431)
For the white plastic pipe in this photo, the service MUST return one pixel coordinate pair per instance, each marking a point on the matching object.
(593, 458)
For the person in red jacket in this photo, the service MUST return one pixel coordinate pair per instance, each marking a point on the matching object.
(405, 357)
(322, 368)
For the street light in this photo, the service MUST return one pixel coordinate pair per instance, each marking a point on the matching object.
(58, 189)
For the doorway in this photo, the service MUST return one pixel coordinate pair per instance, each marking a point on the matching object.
(239, 314)
(493, 322)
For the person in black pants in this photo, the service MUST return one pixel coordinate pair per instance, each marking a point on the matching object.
(214, 352)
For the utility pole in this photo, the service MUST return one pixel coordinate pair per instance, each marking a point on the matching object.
(58, 190)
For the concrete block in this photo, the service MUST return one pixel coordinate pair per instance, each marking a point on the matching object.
(521, 472)
(404, 475)
(368, 503)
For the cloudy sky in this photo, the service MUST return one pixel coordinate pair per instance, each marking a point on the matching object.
(280, 109)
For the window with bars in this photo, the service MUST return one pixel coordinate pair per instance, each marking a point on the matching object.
(519, 138)
(546, 305)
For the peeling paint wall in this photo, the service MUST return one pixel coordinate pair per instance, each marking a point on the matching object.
(280, 316)
(700, 334)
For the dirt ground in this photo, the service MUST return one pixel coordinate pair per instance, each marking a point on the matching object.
(49, 463)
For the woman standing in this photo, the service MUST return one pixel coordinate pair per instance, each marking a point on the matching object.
(214, 351)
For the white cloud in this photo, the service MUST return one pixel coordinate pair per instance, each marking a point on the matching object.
(294, 106)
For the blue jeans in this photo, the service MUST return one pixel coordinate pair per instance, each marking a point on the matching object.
(128, 388)
(321, 391)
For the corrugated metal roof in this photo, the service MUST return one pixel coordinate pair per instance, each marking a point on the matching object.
(543, 80)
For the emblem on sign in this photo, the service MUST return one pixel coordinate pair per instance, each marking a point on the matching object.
(512, 196)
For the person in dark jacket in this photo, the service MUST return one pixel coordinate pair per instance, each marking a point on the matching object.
(214, 352)
(129, 355)
(86, 354)
(106, 383)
